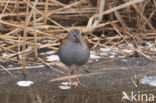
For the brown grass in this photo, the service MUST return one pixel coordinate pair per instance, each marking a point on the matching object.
(27, 22)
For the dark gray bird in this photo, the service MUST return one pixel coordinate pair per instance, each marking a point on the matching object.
(74, 51)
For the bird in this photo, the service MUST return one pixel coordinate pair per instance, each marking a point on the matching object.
(73, 50)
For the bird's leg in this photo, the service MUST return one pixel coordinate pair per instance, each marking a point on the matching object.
(69, 76)
(77, 77)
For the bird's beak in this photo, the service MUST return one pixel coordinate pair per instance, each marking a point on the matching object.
(78, 40)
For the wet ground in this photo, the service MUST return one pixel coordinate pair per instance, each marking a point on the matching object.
(105, 80)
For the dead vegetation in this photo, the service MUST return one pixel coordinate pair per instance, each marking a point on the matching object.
(25, 24)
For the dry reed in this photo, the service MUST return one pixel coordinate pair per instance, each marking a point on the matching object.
(26, 23)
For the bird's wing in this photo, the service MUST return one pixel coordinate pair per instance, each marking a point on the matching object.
(62, 42)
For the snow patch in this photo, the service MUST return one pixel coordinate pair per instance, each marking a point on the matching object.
(64, 87)
(105, 49)
(103, 54)
(153, 49)
(70, 83)
(127, 50)
(4, 54)
(47, 53)
(25, 83)
(93, 55)
(150, 80)
(53, 58)
(112, 56)
(45, 41)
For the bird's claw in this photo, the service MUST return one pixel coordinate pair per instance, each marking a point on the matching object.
(70, 84)
(78, 83)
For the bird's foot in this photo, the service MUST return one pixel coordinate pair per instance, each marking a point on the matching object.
(70, 83)
(78, 83)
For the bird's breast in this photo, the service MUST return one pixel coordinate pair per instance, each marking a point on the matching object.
(72, 53)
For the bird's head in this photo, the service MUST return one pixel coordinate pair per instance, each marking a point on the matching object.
(75, 36)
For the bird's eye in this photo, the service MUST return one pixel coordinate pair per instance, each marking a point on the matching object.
(75, 36)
